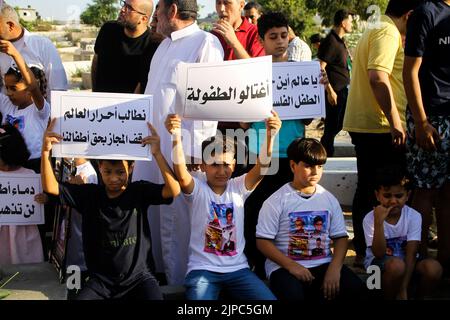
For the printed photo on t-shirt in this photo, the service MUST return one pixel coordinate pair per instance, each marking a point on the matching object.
(220, 233)
(17, 122)
(396, 246)
(308, 235)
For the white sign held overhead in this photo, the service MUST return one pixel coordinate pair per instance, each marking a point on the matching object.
(297, 92)
(237, 90)
(17, 205)
(101, 125)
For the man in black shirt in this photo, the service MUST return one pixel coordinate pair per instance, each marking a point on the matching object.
(426, 75)
(335, 60)
(116, 231)
(124, 50)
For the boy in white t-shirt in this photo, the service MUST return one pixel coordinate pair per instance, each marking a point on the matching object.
(216, 247)
(296, 227)
(392, 231)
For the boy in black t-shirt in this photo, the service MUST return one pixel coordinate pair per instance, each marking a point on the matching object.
(116, 232)
(426, 75)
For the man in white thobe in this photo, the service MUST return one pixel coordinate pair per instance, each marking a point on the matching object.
(184, 42)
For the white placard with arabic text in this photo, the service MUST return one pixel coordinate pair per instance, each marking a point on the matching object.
(101, 125)
(17, 205)
(297, 93)
(237, 90)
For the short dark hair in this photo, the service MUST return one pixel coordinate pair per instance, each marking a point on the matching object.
(271, 20)
(253, 5)
(398, 8)
(114, 162)
(341, 15)
(391, 175)
(315, 38)
(317, 219)
(38, 73)
(187, 9)
(13, 149)
(220, 142)
(308, 150)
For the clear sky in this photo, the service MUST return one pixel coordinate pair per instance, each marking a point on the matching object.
(71, 9)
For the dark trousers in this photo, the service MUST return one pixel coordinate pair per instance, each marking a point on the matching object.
(287, 287)
(143, 289)
(333, 120)
(373, 151)
(253, 204)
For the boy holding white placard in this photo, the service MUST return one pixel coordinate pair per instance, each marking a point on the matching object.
(116, 231)
(216, 260)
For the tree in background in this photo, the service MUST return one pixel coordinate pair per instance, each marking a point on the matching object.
(327, 8)
(299, 15)
(301, 12)
(99, 12)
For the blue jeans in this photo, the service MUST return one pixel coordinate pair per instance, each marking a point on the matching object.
(242, 284)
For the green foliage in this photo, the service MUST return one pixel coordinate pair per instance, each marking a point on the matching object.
(301, 12)
(99, 12)
(37, 25)
(299, 15)
(27, 24)
(79, 72)
(327, 8)
(4, 293)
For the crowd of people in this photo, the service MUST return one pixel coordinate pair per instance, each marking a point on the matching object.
(221, 228)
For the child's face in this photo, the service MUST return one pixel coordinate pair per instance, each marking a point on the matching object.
(276, 41)
(17, 91)
(220, 169)
(394, 196)
(306, 175)
(115, 176)
(318, 225)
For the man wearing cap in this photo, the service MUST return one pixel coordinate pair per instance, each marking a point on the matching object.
(36, 50)
(184, 42)
(237, 35)
(124, 49)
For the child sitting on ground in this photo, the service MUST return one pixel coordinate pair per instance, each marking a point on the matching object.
(216, 259)
(297, 268)
(393, 231)
(116, 230)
